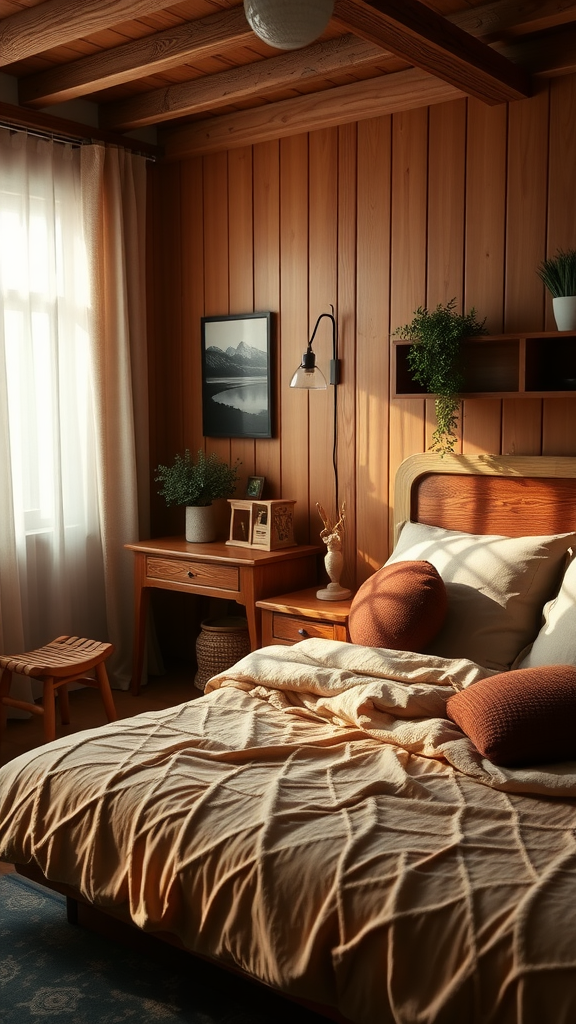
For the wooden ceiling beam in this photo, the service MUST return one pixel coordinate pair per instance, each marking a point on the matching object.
(546, 57)
(344, 104)
(193, 40)
(282, 72)
(543, 58)
(450, 45)
(56, 22)
(506, 19)
(428, 41)
(396, 91)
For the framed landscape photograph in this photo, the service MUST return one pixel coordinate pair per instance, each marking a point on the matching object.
(236, 375)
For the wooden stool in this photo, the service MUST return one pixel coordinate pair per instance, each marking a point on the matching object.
(63, 661)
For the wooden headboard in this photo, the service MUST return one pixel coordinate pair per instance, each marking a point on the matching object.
(510, 495)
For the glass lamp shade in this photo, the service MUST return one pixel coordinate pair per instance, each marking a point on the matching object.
(288, 24)
(308, 376)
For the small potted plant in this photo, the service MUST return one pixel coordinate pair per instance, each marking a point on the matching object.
(558, 273)
(196, 485)
(434, 359)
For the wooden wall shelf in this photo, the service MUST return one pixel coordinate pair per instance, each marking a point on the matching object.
(537, 365)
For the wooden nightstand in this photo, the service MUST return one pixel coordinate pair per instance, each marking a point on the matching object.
(288, 618)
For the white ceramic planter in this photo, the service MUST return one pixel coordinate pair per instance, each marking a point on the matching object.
(564, 307)
(200, 524)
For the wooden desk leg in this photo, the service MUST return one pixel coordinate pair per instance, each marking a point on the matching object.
(141, 602)
(249, 593)
(253, 617)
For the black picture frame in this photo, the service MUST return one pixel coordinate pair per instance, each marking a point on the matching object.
(255, 487)
(237, 375)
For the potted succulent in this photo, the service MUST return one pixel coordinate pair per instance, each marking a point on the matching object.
(196, 485)
(558, 273)
(434, 359)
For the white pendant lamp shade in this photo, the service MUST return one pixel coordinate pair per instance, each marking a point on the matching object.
(288, 24)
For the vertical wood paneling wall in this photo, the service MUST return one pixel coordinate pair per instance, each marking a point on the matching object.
(377, 218)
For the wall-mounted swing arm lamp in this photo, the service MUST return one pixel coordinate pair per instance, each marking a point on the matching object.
(309, 377)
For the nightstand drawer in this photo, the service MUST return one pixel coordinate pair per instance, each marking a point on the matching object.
(289, 618)
(194, 574)
(290, 629)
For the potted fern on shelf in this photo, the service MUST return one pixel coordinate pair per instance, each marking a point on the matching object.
(196, 484)
(558, 273)
(434, 359)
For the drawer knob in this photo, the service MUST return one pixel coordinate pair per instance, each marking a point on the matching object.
(191, 574)
(303, 632)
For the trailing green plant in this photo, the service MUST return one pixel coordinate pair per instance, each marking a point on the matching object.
(434, 361)
(558, 273)
(186, 482)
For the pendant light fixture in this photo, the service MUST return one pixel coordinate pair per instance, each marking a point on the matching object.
(288, 24)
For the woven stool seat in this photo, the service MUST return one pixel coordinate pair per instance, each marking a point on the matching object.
(65, 660)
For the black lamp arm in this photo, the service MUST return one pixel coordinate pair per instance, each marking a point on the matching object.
(308, 364)
(334, 362)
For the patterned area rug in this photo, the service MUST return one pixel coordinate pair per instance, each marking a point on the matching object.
(52, 972)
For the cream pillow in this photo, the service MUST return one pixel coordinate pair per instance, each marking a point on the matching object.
(497, 587)
(556, 641)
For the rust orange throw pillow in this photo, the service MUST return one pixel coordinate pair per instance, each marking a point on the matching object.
(523, 717)
(401, 607)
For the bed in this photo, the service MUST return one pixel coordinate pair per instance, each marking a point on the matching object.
(326, 818)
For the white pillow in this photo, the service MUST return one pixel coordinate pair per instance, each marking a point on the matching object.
(497, 587)
(556, 641)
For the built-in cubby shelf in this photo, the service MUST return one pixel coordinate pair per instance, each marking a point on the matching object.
(535, 365)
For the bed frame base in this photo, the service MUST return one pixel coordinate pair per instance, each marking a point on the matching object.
(159, 945)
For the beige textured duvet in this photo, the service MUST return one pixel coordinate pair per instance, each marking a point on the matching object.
(316, 820)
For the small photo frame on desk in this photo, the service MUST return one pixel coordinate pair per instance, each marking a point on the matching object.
(255, 487)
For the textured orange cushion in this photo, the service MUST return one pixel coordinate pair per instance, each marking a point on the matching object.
(401, 607)
(527, 716)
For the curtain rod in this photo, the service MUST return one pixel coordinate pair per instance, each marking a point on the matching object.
(39, 133)
(46, 126)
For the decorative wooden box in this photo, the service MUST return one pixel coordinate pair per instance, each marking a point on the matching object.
(268, 525)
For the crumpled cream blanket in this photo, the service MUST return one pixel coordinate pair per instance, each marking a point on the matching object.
(315, 820)
(395, 696)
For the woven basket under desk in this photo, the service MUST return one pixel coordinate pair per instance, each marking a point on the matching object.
(220, 644)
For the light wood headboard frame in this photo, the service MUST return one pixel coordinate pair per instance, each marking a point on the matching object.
(510, 495)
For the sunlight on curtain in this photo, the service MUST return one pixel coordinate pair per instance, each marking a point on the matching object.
(48, 468)
(63, 568)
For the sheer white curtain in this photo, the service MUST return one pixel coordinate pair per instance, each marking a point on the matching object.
(68, 446)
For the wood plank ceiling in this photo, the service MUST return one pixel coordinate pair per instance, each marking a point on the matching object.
(197, 72)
